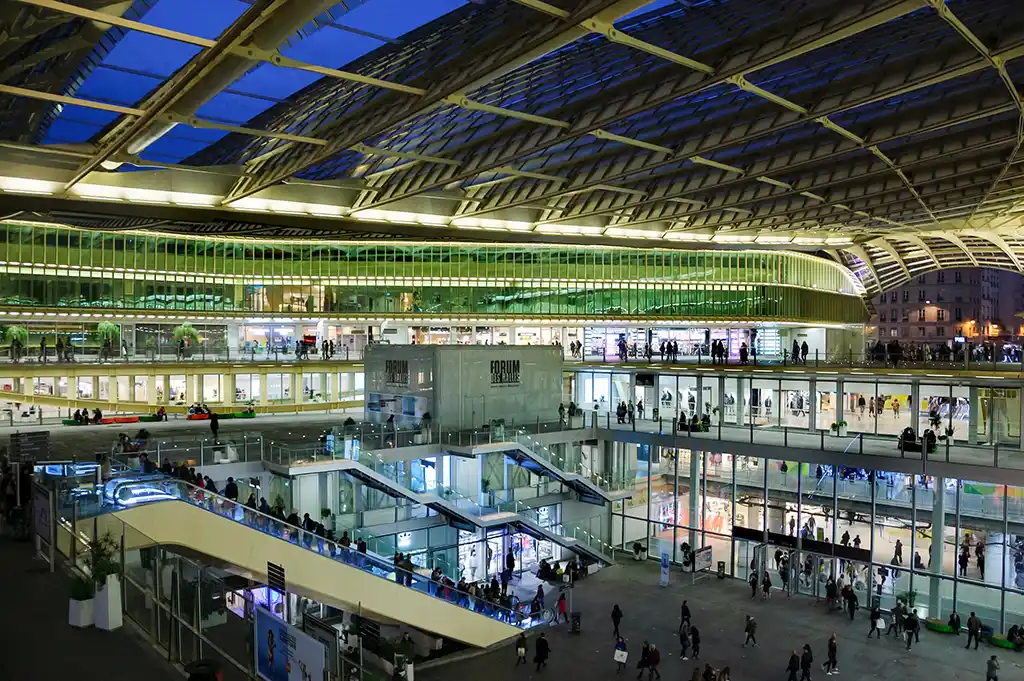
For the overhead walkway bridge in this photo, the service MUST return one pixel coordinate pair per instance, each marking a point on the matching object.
(168, 512)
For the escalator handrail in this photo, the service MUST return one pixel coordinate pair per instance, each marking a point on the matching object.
(355, 557)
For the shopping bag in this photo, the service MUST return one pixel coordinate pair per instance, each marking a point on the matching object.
(521, 652)
(880, 623)
(621, 656)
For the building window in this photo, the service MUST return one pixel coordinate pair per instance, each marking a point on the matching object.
(892, 297)
(940, 315)
(959, 331)
(920, 331)
(940, 277)
(922, 279)
(940, 331)
(958, 315)
(920, 296)
(920, 315)
(906, 296)
(905, 317)
(881, 332)
(894, 332)
(958, 277)
(881, 316)
(939, 297)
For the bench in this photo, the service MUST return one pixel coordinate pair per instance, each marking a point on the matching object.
(1000, 641)
(938, 626)
(198, 417)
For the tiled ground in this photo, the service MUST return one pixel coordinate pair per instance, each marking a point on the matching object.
(718, 607)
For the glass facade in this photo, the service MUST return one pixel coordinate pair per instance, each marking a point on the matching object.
(751, 510)
(63, 267)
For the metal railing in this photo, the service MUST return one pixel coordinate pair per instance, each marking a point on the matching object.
(160, 489)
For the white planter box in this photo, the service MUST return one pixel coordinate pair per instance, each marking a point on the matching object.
(108, 613)
(80, 613)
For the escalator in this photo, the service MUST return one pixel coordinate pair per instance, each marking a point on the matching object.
(526, 454)
(168, 512)
(466, 515)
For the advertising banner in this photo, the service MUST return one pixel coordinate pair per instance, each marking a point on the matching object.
(284, 653)
(702, 559)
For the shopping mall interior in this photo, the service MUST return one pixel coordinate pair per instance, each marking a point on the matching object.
(363, 338)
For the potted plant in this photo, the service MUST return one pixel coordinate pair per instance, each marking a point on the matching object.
(104, 565)
(839, 428)
(907, 598)
(80, 607)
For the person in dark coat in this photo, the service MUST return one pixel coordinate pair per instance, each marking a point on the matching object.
(806, 659)
(695, 642)
(616, 618)
(793, 667)
(645, 659)
(831, 666)
(653, 660)
(542, 652)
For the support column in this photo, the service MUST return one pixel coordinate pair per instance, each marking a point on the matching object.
(915, 406)
(167, 390)
(227, 388)
(741, 405)
(935, 553)
(95, 387)
(694, 498)
(840, 400)
(974, 412)
(131, 388)
(812, 407)
(264, 389)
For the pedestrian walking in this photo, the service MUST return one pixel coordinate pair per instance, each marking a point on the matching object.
(750, 630)
(992, 670)
(910, 628)
(543, 651)
(653, 661)
(876, 622)
(521, 650)
(562, 614)
(695, 642)
(684, 613)
(831, 666)
(684, 639)
(793, 667)
(645, 659)
(616, 618)
(766, 587)
(806, 659)
(621, 654)
(753, 586)
(973, 630)
(897, 620)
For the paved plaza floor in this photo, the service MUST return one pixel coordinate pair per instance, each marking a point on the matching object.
(651, 613)
(36, 642)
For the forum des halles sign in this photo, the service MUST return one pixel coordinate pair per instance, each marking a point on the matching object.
(504, 373)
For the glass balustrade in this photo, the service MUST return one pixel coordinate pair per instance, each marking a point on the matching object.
(122, 494)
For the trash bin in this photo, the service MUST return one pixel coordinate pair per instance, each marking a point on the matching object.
(204, 670)
(575, 623)
(721, 569)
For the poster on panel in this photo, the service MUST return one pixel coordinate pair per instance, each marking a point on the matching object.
(284, 653)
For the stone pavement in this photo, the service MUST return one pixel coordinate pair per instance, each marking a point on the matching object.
(36, 642)
(718, 609)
